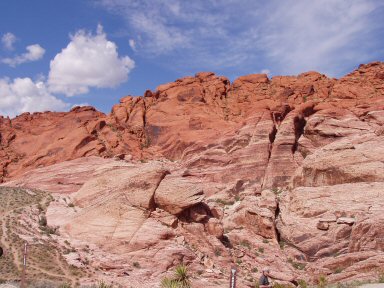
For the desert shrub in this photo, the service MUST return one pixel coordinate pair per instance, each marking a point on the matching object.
(280, 285)
(217, 252)
(338, 270)
(43, 221)
(322, 281)
(102, 284)
(180, 279)
(381, 277)
(169, 283)
(42, 284)
(181, 276)
(246, 244)
(277, 191)
(302, 283)
(225, 202)
(296, 265)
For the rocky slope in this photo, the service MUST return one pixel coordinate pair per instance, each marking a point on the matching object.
(284, 172)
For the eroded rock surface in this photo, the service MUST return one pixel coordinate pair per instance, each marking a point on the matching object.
(284, 172)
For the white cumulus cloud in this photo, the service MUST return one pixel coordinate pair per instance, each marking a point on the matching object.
(132, 44)
(266, 71)
(8, 40)
(80, 105)
(34, 53)
(88, 61)
(24, 95)
(290, 36)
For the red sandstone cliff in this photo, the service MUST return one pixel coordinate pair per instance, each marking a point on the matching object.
(294, 160)
(193, 112)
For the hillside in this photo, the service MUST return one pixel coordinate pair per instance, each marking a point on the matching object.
(284, 172)
(22, 214)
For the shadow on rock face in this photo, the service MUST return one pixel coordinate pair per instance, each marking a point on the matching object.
(1, 251)
(198, 213)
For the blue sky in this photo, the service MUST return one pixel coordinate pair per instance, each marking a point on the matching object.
(56, 54)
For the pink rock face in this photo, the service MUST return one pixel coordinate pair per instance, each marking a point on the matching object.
(175, 194)
(66, 177)
(284, 172)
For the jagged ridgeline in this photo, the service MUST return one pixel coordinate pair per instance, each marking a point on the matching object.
(285, 172)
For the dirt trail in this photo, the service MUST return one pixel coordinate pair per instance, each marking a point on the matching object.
(13, 248)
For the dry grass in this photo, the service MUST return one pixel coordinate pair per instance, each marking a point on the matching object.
(20, 211)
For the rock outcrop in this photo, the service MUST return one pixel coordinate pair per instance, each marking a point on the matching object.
(284, 172)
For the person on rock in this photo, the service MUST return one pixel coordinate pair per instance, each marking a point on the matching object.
(264, 281)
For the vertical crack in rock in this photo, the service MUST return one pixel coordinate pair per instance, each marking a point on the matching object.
(152, 205)
(277, 215)
(227, 85)
(272, 136)
(152, 202)
(224, 99)
(299, 123)
(144, 114)
(146, 141)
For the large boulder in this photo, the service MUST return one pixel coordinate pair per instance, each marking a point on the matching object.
(115, 206)
(136, 183)
(175, 194)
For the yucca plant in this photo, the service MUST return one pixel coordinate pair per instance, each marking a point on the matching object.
(169, 283)
(179, 280)
(182, 277)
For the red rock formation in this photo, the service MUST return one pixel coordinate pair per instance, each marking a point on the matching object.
(292, 159)
(191, 112)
